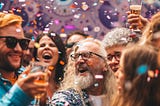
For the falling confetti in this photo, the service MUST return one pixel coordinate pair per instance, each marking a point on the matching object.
(37, 45)
(62, 62)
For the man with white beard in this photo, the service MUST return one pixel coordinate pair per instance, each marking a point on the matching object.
(84, 80)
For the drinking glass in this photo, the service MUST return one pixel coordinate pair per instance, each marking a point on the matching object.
(135, 8)
(39, 67)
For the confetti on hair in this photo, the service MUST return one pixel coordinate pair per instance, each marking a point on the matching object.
(156, 73)
(148, 79)
(128, 85)
(142, 69)
(59, 52)
(62, 62)
(37, 45)
(150, 73)
(96, 84)
(60, 78)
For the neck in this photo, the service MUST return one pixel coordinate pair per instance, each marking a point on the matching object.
(9, 75)
(53, 86)
(96, 89)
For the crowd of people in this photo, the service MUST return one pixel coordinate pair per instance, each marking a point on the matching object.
(120, 70)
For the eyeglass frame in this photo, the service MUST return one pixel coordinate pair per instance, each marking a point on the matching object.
(17, 41)
(114, 55)
(90, 54)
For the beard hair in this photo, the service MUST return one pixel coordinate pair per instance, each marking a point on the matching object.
(84, 82)
(8, 67)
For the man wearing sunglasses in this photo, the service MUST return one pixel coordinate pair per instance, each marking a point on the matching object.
(15, 89)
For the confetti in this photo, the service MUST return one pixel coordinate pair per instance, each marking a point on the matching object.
(37, 45)
(99, 76)
(150, 73)
(142, 69)
(18, 30)
(62, 62)
(50, 68)
(96, 84)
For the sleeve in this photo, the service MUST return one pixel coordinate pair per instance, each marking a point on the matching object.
(15, 97)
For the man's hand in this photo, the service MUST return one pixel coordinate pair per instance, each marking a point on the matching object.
(26, 82)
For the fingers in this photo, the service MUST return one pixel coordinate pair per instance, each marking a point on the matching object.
(133, 19)
(128, 12)
(25, 73)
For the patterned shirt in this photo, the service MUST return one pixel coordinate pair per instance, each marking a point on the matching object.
(69, 97)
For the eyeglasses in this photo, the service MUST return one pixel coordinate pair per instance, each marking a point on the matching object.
(70, 45)
(11, 42)
(116, 55)
(85, 55)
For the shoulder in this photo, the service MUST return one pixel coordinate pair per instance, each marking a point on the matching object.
(68, 97)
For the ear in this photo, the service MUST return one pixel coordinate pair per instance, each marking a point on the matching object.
(106, 67)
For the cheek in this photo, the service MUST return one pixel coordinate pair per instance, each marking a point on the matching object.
(39, 52)
(121, 76)
(55, 55)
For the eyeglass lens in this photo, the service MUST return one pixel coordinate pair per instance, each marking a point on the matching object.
(11, 42)
(116, 55)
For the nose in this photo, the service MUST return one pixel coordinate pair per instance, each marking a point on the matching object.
(18, 47)
(27, 52)
(114, 60)
(80, 59)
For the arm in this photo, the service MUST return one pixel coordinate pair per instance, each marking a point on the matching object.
(23, 91)
(15, 97)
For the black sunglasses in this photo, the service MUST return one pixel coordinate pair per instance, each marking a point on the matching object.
(11, 42)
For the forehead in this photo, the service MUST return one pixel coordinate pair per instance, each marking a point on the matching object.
(45, 39)
(12, 30)
(75, 38)
(88, 46)
(111, 50)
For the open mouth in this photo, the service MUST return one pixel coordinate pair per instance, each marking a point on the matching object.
(82, 71)
(47, 56)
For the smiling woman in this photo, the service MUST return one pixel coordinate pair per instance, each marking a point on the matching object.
(51, 51)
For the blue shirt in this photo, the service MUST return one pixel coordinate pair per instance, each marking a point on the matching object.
(12, 95)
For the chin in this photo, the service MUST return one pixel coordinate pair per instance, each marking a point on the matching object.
(16, 64)
(84, 81)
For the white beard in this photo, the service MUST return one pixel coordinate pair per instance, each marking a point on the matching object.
(84, 82)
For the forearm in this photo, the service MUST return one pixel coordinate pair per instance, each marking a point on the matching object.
(15, 97)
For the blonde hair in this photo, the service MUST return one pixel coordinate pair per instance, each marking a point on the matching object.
(9, 19)
(151, 28)
(97, 42)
